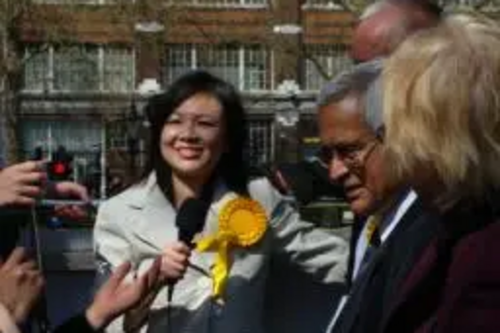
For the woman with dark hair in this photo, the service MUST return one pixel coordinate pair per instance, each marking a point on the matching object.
(198, 145)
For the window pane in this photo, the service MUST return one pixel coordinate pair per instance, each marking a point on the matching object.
(118, 70)
(217, 3)
(245, 67)
(323, 62)
(70, 2)
(221, 61)
(261, 141)
(254, 2)
(256, 69)
(36, 69)
(324, 3)
(178, 61)
(76, 69)
(74, 135)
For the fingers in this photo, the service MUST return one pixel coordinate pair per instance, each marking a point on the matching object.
(118, 275)
(29, 166)
(71, 212)
(181, 248)
(71, 189)
(25, 195)
(29, 190)
(28, 266)
(37, 280)
(29, 172)
(18, 255)
(175, 260)
(153, 273)
(32, 177)
(24, 201)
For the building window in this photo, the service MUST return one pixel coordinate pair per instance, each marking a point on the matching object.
(75, 136)
(118, 69)
(324, 4)
(256, 71)
(322, 63)
(220, 3)
(75, 2)
(221, 61)
(86, 68)
(76, 69)
(261, 141)
(36, 69)
(246, 67)
(179, 60)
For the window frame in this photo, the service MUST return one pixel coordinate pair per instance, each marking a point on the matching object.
(49, 84)
(195, 54)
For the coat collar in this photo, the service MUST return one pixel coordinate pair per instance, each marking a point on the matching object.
(146, 192)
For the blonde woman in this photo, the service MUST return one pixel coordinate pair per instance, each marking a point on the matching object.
(442, 117)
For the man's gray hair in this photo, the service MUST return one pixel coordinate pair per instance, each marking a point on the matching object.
(363, 80)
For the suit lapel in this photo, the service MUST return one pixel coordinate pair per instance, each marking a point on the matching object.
(350, 312)
(360, 285)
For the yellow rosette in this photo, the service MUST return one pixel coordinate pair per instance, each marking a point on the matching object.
(242, 222)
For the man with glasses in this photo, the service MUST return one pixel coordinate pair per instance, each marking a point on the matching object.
(388, 212)
(391, 222)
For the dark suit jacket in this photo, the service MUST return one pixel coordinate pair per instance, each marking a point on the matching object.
(455, 284)
(374, 289)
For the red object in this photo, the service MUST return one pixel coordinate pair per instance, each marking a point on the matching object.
(59, 168)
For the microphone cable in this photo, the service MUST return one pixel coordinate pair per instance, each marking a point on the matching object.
(169, 308)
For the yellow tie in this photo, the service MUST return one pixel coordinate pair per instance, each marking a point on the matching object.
(371, 233)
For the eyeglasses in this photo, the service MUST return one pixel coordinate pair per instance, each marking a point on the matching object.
(354, 156)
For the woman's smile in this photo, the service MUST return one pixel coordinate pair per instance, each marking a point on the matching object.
(189, 152)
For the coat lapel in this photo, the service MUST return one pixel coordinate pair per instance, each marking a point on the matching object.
(380, 265)
(154, 219)
(358, 289)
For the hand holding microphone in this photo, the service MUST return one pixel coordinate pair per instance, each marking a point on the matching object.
(189, 221)
(175, 260)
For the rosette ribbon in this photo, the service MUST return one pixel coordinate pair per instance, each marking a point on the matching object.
(242, 222)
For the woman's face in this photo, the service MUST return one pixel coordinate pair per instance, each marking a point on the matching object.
(193, 137)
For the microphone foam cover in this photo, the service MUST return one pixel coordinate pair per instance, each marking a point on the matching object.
(191, 218)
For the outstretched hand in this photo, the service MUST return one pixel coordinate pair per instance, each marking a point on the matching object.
(21, 183)
(21, 284)
(116, 296)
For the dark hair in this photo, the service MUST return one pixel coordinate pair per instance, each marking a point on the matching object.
(232, 167)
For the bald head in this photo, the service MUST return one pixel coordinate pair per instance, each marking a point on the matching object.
(385, 26)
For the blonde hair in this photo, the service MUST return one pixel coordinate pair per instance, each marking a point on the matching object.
(442, 105)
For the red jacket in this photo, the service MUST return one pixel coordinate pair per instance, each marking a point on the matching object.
(455, 285)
